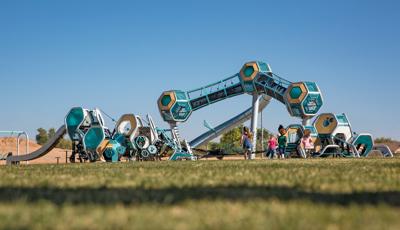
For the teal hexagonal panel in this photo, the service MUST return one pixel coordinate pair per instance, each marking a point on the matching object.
(312, 104)
(165, 100)
(365, 140)
(248, 71)
(295, 92)
(93, 138)
(295, 110)
(249, 87)
(342, 119)
(263, 67)
(73, 120)
(181, 111)
(180, 95)
(311, 86)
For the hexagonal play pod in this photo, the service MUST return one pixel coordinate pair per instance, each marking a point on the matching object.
(249, 71)
(93, 138)
(296, 93)
(127, 125)
(326, 123)
(303, 99)
(174, 106)
(166, 100)
(181, 111)
(73, 120)
(312, 104)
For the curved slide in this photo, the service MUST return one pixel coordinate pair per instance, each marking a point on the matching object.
(229, 124)
(40, 152)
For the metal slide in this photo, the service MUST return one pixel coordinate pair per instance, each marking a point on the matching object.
(229, 125)
(40, 152)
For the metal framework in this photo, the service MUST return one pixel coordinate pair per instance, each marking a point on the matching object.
(19, 135)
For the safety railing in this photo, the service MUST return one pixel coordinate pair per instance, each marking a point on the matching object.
(214, 87)
(354, 150)
(19, 135)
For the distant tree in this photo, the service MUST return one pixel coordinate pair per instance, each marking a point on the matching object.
(230, 141)
(51, 133)
(42, 136)
(383, 140)
(213, 146)
(64, 144)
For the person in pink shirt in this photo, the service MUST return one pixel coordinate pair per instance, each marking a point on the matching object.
(307, 142)
(272, 146)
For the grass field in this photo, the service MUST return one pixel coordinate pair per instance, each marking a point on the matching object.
(299, 194)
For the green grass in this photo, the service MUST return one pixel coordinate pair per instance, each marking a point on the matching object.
(300, 194)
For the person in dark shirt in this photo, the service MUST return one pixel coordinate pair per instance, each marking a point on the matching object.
(282, 142)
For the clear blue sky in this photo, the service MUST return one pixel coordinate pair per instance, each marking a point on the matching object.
(120, 55)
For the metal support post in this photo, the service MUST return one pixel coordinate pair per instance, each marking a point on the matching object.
(254, 121)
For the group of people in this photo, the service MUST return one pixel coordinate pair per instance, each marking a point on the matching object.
(276, 145)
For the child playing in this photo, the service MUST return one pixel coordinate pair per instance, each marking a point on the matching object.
(306, 142)
(282, 141)
(361, 149)
(272, 146)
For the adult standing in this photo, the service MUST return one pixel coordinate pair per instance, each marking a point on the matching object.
(246, 142)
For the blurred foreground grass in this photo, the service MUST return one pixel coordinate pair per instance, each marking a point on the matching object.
(300, 194)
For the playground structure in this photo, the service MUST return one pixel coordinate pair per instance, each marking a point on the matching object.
(138, 139)
(332, 134)
(132, 138)
(302, 99)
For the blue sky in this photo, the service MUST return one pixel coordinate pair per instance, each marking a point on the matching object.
(120, 55)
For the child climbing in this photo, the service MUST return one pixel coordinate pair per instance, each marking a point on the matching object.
(272, 146)
(307, 143)
(282, 142)
(246, 142)
(361, 149)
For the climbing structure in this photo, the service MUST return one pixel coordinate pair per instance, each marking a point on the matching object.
(132, 137)
(137, 139)
(331, 133)
(302, 99)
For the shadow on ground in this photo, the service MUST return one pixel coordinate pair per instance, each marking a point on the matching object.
(174, 195)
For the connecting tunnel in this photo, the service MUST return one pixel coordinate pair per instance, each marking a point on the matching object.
(302, 99)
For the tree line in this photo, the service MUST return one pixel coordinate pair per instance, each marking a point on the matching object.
(45, 135)
(230, 141)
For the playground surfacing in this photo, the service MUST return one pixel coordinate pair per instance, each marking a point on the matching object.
(9, 144)
(293, 193)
